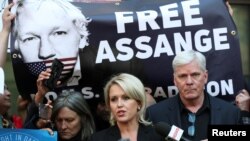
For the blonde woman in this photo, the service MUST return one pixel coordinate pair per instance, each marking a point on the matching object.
(125, 97)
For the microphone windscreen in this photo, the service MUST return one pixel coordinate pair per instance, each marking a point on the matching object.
(162, 128)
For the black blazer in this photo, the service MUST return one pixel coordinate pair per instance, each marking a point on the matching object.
(145, 133)
(168, 111)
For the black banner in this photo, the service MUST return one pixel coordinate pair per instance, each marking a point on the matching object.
(140, 37)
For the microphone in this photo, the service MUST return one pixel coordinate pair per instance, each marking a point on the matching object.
(171, 133)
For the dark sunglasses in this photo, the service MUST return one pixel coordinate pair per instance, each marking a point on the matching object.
(191, 128)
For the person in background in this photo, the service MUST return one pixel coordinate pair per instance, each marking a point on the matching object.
(150, 100)
(69, 113)
(230, 10)
(72, 117)
(7, 17)
(126, 99)
(5, 100)
(193, 109)
(102, 116)
(22, 105)
(33, 119)
(5, 103)
(242, 100)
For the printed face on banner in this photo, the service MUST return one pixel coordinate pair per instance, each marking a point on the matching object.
(45, 32)
(41, 39)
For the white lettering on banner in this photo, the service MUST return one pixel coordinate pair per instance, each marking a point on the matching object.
(169, 12)
(6, 138)
(124, 46)
(17, 136)
(205, 44)
(87, 92)
(214, 88)
(224, 87)
(149, 17)
(174, 15)
(192, 12)
(219, 39)
(170, 17)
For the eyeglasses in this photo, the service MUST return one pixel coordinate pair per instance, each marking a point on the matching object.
(191, 128)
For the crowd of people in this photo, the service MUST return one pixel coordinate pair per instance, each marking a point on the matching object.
(130, 112)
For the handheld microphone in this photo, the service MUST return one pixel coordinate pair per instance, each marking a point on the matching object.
(170, 132)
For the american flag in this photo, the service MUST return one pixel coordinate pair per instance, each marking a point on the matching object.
(37, 67)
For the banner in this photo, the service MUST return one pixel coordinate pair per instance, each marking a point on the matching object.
(140, 37)
(26, 135)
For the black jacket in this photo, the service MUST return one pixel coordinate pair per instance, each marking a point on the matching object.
(145, 133)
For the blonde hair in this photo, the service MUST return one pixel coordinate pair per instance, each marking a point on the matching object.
(133, 88)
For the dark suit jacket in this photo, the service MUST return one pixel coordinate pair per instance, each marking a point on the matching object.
(145, 133)
(168, 111)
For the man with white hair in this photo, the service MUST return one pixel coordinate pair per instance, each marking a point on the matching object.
(193, 109)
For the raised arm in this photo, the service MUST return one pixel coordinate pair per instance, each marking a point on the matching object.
(7, 17)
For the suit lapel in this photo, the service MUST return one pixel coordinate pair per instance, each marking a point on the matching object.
(143, 133)
(215, 111)
(174, 114)
(114, 134)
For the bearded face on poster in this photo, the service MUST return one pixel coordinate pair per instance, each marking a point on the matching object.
(49, 29)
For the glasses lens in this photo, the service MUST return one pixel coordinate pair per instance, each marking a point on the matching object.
(191, 128)
(191, 118)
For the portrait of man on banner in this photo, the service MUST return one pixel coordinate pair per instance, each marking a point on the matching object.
(49, 29)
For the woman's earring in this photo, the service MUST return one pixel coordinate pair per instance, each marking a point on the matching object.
(138, 108)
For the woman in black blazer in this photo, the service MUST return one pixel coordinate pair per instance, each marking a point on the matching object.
(125, 97)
